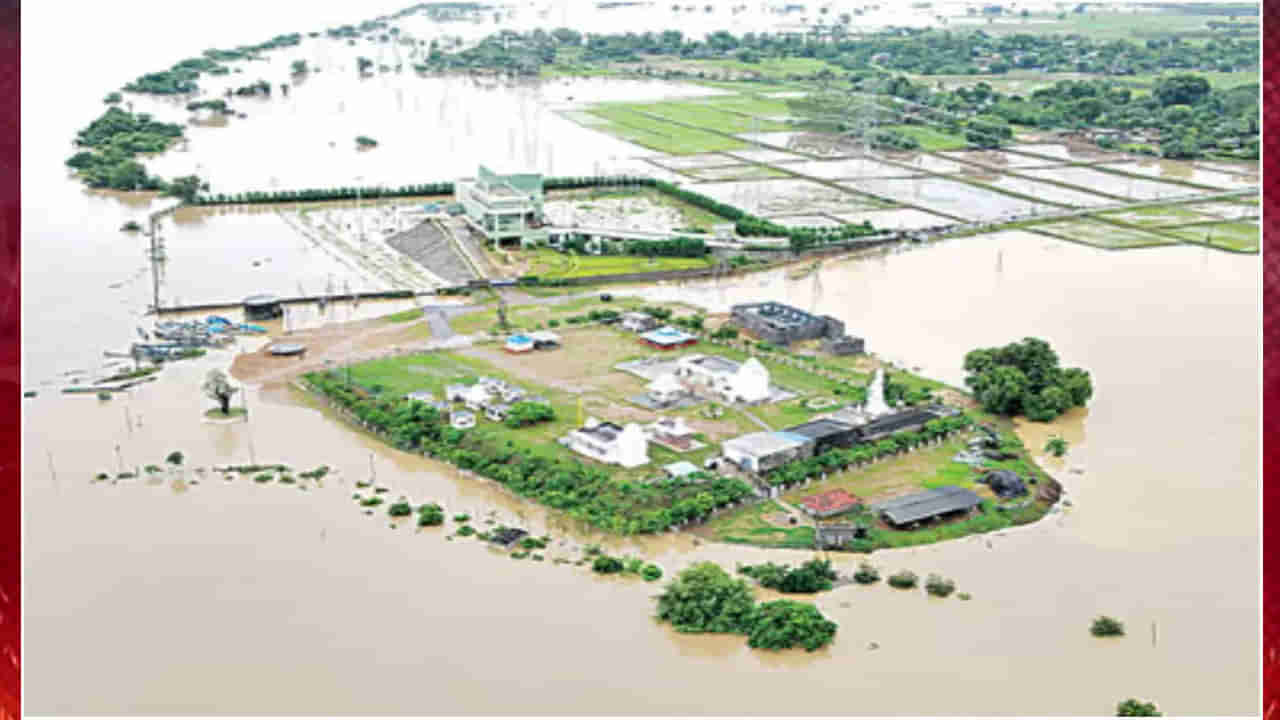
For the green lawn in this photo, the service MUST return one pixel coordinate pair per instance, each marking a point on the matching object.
(560, 265)
(930, 138)
(748, 526)
(774, 67)
(1103, 235)
(1158, 216)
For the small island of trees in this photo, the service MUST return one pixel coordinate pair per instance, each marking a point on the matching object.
(1023, 378)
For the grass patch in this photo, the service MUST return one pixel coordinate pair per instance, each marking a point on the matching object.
(749, 526)
(1241, 236)
(658, 134)
(217, 414)
(930, 138)
(706, 115)
(404, 316)
(1103, 235)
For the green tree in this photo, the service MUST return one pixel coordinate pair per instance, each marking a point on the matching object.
(1056, 446)
(705, 598)
(1180, 89)
(783, 624)
(431, 514)
(219, 388)
(1105, 626)
(1137, 708)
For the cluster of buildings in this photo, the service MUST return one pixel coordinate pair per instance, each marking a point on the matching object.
(488, 396)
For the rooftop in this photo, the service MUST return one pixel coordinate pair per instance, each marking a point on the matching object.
(831, 501)
(777, 313)
(817, 429)
(927, 504)
(667, 335)
(605, 431)
(715, 363)
(766, 443)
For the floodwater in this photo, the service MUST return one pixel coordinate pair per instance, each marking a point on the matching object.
(224, 597)
(1099, 181)
(303, 604)
(948, 196)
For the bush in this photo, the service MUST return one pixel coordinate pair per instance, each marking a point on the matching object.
(725, 333)
(783, 624)
(131, 226)
(430, 514)
(1137, 708)
(651, 572)
(400, 509)
(705, 598)
(366, 141)
(964, 596)
(174, 458)
(606, 565)
(101, 476)
(464, 531)
(866, 574)
(813, 576)
(461, 517)
(903, 579)
(104, 395)
(1104, 626)
(1056, 446)
(263, 478)
(371, 501)
(531, 543)
(939, 586)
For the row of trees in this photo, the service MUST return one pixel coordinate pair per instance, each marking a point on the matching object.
(840, 459)
(584, 492)
(1023, 378)
(705, 598)
(813, 576)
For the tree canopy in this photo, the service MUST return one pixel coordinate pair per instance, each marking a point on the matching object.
(705, 598)
(1024, 378)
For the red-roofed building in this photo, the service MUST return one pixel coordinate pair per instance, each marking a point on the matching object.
(831, 502)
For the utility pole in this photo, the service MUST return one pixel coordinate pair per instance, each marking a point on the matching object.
(155, 265)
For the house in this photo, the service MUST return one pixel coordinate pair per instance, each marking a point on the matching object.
(668, 338)
(462, 419)
(827, 434)
(476, 397)
(680, 469)
(927, 505)
(666, 390)
(672, 433)
(503, 208)
(518, 344)
(783, 324)
(831, 502)
(638, 322)
(610, 443)
(545, 340)
(746, 382)
(837, 536)
(760, 452)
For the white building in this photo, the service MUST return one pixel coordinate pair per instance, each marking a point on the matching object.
(666, 390)
(669, 427)
(746, 382)
(638, 322)
(610, 443)
(503, 208)
(760, 452)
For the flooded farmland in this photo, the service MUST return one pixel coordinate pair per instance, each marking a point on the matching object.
(138, 593)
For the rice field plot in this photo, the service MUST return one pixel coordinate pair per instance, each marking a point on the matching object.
(950, 197)
(1224, 210)
(766, 155)
(1183, 172)
(860, 167)
(1069, 152)
(1157, 217)
(1243, 236)
(1104, 235)
(896, 219)
(758, 105)
(999, 159)
(1047, 192)
(705, 115)
(787, 197)
(804, 221)
(693, 162)
(737, 172)
(927, 162)
(1247, 168)
(648, 131)
(1120, 185)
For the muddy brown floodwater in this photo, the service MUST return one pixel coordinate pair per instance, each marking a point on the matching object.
(232, 597)
(303, 604)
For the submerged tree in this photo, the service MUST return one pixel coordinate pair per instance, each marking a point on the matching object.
(218, 387)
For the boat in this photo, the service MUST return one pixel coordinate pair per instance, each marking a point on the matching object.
(287, 349)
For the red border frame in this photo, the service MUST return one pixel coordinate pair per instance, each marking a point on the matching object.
(1270, 359)
(10, 365)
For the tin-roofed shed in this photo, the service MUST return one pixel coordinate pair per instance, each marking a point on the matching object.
(927, 505)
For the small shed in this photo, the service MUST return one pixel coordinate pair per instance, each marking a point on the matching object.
(831, 502)
(668, 338)
(1004, 483)
(545, 340)
(262, 307)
